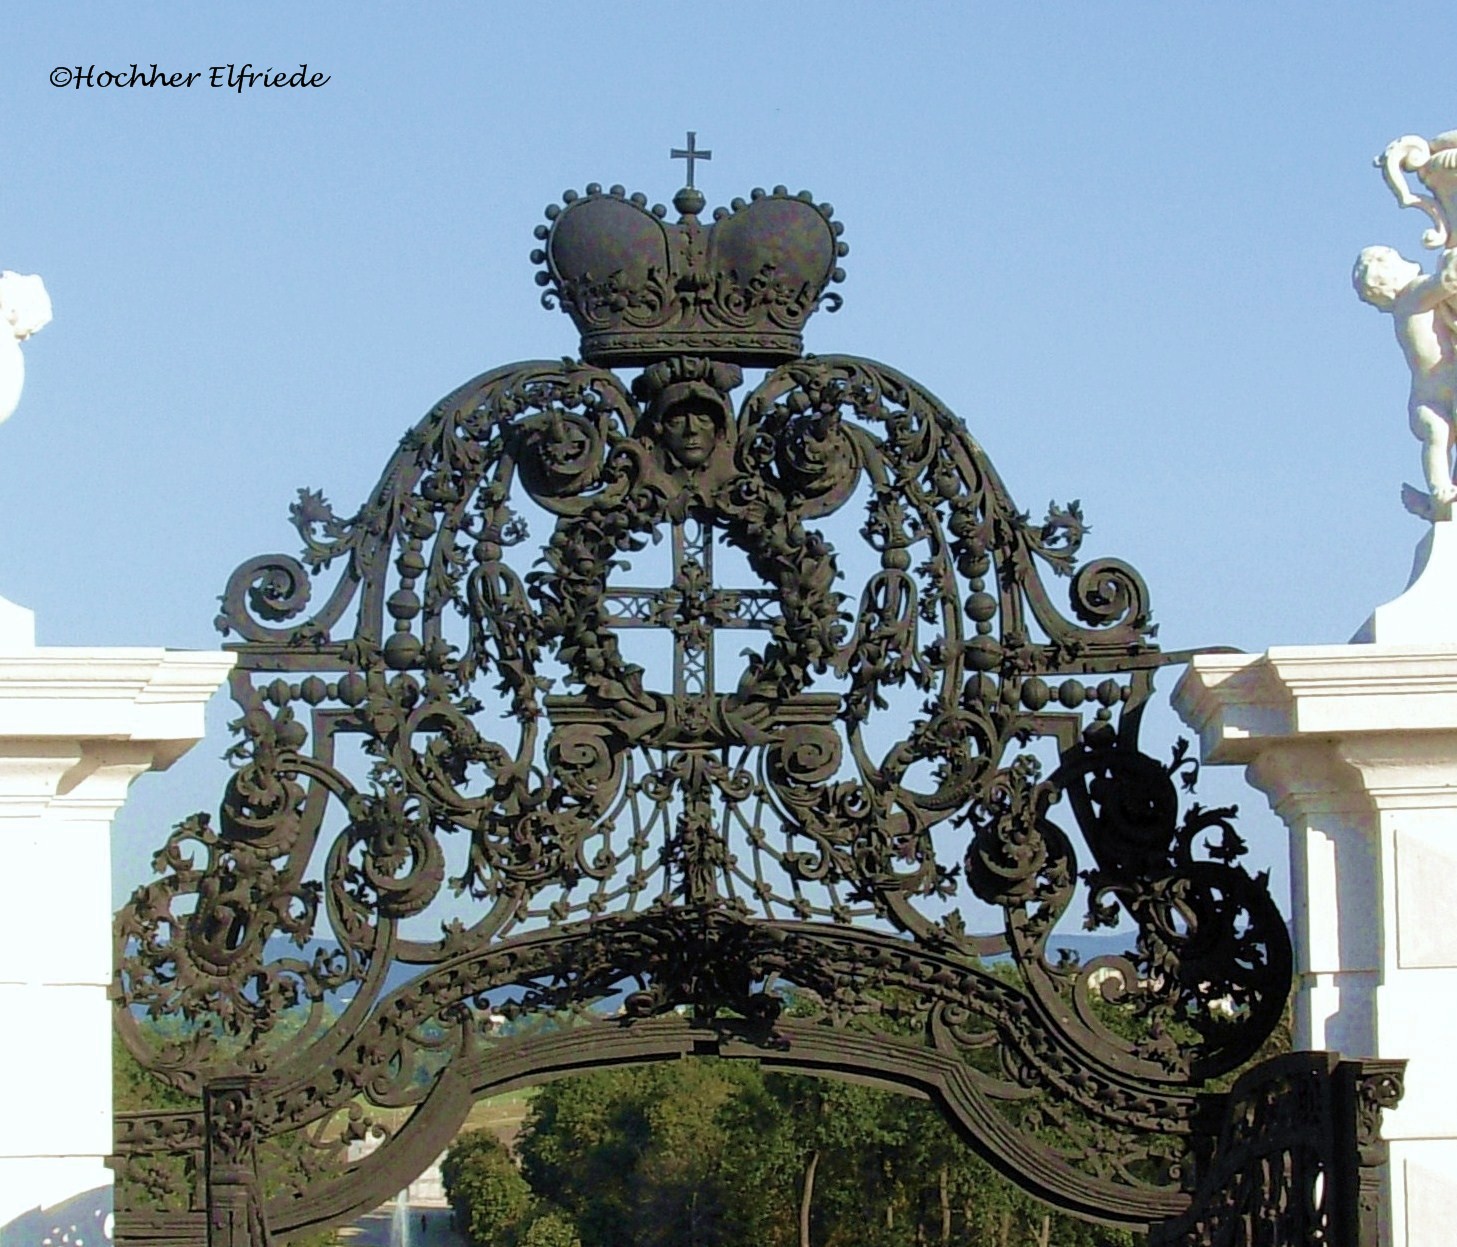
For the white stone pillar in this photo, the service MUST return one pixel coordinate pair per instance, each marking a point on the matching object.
(77, 726)
(1356, 748)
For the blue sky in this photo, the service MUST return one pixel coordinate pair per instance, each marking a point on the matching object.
(1115, 238)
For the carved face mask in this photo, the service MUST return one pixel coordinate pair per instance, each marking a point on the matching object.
(689, 433)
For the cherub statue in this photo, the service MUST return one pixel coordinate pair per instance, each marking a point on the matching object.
(1425, 318)
(25, 308)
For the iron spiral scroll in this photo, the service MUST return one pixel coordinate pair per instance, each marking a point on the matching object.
(782, 854)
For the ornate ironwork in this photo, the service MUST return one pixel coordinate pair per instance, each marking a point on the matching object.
(1290, 1163)
(782, 847)
(641, 290)
(1369, 1088)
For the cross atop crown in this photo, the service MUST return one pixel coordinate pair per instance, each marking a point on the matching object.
(690, 154)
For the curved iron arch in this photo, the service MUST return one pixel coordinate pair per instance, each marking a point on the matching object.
(653, 844)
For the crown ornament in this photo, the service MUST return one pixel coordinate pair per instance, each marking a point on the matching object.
(642, 289)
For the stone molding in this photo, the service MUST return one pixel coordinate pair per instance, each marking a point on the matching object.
(77, 726)
(1235, 701)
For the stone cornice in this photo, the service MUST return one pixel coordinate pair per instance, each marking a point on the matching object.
(78, 725)
(108, 694)
(1240, 702)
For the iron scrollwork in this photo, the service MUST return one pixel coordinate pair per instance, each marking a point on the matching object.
(462, 800)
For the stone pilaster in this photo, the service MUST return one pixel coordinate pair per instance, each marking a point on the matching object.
(77, 726)
(1356, 748)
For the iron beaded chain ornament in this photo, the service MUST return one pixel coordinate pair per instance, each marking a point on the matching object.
(469, 843)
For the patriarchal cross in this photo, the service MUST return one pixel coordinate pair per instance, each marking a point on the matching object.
(692, 608)
(690, 154)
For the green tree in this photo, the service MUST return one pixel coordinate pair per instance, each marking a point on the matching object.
(641, 1157)
(716, 1153)
(706, 1152)
(549, 1227)
(579, 1143)
(136, 1089)
(491, 1201)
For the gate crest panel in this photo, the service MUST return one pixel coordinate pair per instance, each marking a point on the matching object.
(782, 854)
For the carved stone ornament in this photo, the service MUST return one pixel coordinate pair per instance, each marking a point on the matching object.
(1422, 310)
(1435, 165)
(25, 309)
(478, 836)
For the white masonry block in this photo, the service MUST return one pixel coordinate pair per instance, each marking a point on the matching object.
(77, 726)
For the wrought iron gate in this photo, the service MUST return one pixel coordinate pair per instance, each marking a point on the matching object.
(474, 839)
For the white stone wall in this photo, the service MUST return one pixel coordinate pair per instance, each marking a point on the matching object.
(77, 726)
(426, 1191)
